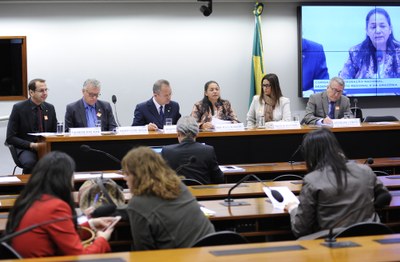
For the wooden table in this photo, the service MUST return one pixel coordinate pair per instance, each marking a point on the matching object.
(250, 146)
(304, 250)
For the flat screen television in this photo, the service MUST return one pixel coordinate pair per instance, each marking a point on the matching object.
(360, 43)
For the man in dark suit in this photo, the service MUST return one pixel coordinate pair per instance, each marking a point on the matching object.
(330, 104)
(89, 111)
(314, 63)
(192, 159)
(30, 116)
(156, 110)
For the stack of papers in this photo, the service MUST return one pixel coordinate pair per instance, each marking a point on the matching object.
(94, 175)
(227, 169)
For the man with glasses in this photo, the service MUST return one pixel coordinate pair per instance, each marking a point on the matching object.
(157, 109)
(330, 104)
(33, 115)
(89, 111)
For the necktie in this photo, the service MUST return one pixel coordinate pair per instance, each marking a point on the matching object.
(39, 118)
(332, 110)
(162, 114)
(91, 120)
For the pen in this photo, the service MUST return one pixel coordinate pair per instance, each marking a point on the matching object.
(96, 198)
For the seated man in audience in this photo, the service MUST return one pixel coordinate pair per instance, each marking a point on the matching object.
(330, 104)
(30, 116)
(190, 158)
(89, 111)
(157, 109)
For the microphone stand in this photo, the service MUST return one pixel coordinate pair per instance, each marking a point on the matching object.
(291, 161)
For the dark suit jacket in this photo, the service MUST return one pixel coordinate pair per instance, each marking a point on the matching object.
(314, 63)
(147, 112)
(22, 121)
(204, 169)
(318, 107)
(75, 116)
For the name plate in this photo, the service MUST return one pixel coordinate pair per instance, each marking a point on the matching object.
(170, 129)
(346, 122)
(85, 131)
(229, 127)
(132, 130)
(283, 125)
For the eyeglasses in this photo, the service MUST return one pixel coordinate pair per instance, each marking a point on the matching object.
(42, 90)
(266, 85)
(93, 95)
(336, 91)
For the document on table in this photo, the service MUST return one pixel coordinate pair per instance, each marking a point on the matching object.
(94, 175)
(231, 169)
(287, 195)
(8, 179)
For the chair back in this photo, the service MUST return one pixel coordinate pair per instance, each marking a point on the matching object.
(14, 156)
(357, 112)
(380, 119)
(365, 229)
(381, 173)
(191, 182)
(220, 238)
(7, 252)
(287, 177)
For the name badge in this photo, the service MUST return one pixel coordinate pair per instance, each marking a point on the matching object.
(132, 130)
(85, 131)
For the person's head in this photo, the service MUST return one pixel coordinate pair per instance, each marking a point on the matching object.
(52, 175)
(38, 90)
(379, 27)
(147, 173)
(335, 88)
(162, 92)
(212, 91)
(187, 127)
(321, 150)
(270, 87)
(91, 91)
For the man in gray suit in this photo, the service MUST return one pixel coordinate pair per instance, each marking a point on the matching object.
(89, 111)
(330, 104)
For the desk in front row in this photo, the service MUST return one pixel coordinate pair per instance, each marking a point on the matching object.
(250, 146)
(305, 250)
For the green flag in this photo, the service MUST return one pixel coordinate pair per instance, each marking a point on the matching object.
(257, 63)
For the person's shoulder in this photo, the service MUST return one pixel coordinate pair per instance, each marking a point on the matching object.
(308, 44)
(355, 48)
(396, 44)
(284, 100)
(74, 104)
(22, 104)
(104, 103)
(173, 103)
(48, 105)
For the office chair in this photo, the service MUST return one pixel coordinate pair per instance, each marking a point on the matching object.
(191, 182)
(357, 112)
(7, 252)
(14, 155)
(287, 177)
(381, 173)
(365, 229)
(220, 238)
(380, 119)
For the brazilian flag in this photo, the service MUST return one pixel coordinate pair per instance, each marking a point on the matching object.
(257, 63)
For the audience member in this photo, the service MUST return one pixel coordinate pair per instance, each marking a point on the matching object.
(33, 115)
(192, 159)
(330, 104)
(212, 107)
(162, 212)
(89, 111)
(48, 196)
(157, 109)
(270, 104)
(333, 188)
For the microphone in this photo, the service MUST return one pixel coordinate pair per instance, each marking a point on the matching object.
(191, 160)
(230, 202)
(291, 161)
(369, 161)
(114, 100)
(382, 199)
(86, 148)
(355, 100)
(104, 211)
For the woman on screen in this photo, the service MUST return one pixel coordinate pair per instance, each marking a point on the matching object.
(47, 197)
(333, 188)
(378, 56)
(213, 107)
(270, 103)
(162, 211)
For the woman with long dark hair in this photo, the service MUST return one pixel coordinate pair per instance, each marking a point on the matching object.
(212, 106)
(333, 188)
(48, 196)
(270, 104)
(378, 56)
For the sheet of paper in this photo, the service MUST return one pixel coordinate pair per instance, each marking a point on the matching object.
(8, 179)
(231, 169)
(207, 212)
(215, 121)
(94, 175)
(287, 195)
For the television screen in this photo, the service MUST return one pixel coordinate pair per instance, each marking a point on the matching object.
(358, 43)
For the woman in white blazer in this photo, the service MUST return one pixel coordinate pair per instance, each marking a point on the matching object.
(270, 103)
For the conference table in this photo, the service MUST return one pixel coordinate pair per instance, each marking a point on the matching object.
(232, 147)
(371, 248)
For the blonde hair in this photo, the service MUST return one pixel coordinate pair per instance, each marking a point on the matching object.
(152, 175)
